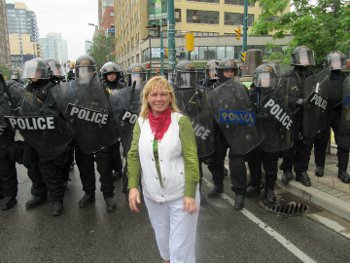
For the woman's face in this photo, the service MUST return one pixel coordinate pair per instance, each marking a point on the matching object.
(159, 100)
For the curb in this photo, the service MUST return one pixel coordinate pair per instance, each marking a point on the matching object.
(319, 198)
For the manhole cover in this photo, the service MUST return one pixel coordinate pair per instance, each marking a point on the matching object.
(283, 208)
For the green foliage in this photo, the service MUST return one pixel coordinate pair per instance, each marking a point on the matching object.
(100, 49)
(5, 71)
(323, 27)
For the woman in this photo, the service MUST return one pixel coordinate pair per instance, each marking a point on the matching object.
(164, 149)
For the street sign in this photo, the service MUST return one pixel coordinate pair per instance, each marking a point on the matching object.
(111, 30)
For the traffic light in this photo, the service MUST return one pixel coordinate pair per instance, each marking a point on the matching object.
(189, 41)
(238, 32)
(166, 53)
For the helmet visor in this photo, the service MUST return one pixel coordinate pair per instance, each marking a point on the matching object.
(34, 69)
(305, 58)
(211, 72)
(264, 80)
(336, 62)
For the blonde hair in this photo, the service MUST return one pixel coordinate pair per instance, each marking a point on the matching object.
(156, 82)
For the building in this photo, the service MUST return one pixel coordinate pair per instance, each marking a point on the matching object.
(23, 33)
(212, 22)
(4, 36)
(54, 46)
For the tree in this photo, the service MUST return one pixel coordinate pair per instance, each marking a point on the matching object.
(5, 71)
(323, 27)
(100, 49)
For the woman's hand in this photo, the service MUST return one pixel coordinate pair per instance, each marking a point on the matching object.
(190, 205)
(134, 199)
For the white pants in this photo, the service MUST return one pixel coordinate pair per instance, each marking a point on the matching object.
(175, 229)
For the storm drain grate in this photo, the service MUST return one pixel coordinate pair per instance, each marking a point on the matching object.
(287, 208)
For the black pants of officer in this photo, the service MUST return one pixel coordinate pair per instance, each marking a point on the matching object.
(46, 174)
(117, 160)
(341, 139)
(269, 161)
(86, 166)
(68, 159)
(8, 174)
(238, 170)
(299, 155)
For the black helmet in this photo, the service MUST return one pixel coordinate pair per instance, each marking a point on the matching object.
(265, 76)
(211, 69)
(185, 75)
(111, 67)
(35, 68)
(85, 61)
(136, 72)
(227, 64)
(303, 56)
(336, 60)
(55, 68)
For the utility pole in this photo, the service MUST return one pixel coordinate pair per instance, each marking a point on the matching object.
(161, 47)
(171, 39)
(245, 26)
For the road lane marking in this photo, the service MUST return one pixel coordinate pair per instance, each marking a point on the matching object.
(269, 230)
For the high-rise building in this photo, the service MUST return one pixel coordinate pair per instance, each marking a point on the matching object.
(23, 33)
(4, 36)
(54, 46)
(138, 23)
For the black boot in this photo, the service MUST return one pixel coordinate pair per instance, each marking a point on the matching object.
(36, 201)
(216, 191)
(319, 172)
(287, 176)
(303, 178)
(110, 204)
(57, 208)
(86, 200)
(239, 201)
(270, 196)
(8, 202)
(344, 176)
(252, 191)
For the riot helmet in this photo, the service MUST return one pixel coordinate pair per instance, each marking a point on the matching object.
(109, 68)
(264, 76)
(185, 75)
(136, 72)
(211, 69)
(56, 71)
(227, 69)
(303, 56)
(35, 69)
(336, 60)
(85, 68)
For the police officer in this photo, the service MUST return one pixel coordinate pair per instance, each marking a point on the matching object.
(303, 60)
(46, 174)
(264, 81)
(226, 70)
(136, 73)
(336, 63)
(8, 173)
(112, 79)
(211, 75)
(85, 68)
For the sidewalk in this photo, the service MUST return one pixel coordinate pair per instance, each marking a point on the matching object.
(327, 192)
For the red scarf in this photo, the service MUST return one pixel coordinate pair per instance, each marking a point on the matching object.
(160, 124)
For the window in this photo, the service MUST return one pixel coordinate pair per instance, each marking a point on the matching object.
(178, 15)
(237, 2)
(202, 17)
(207, 1)
(237, 19)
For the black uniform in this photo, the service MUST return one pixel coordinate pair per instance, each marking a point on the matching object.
(334, 115)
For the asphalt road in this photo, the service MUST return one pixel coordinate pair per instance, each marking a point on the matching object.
(224, 235)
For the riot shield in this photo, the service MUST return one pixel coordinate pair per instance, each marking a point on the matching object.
(126, 104)
(40, 126)
(275, 114)
(345, 112)
(317, 88)
(86, 107)
(194, 103)
(232, 109)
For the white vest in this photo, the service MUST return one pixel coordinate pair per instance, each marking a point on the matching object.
(171, 162)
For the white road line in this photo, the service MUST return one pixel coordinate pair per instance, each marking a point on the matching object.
(283, 241)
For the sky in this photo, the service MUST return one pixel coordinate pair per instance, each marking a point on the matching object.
(68, 17)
